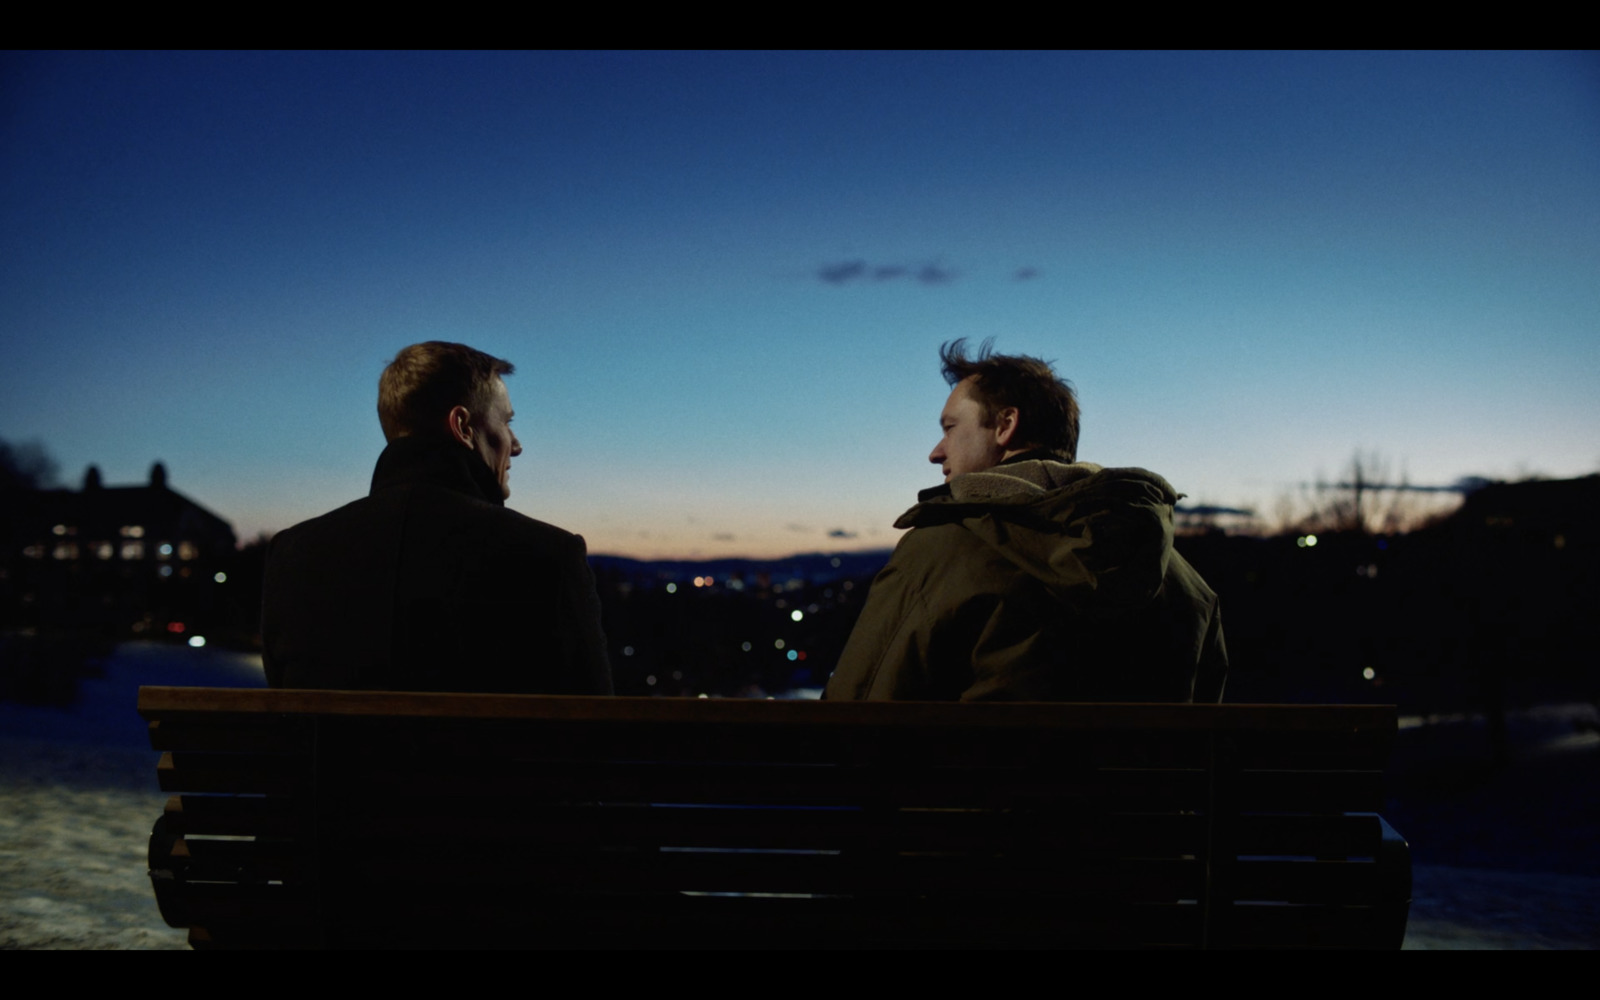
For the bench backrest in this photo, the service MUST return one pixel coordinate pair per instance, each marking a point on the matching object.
(313, 818)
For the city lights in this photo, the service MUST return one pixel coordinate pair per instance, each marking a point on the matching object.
(197, 641)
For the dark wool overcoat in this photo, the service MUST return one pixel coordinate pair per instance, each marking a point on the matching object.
(431, 583)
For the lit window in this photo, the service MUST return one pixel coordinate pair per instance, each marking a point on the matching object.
(59, 529)
(34, 552)
(166, 571)
(132, 531)
(104, 551)
(164, 550)
(187, 551)
(221, 577)
(66, 550)
(133, 550)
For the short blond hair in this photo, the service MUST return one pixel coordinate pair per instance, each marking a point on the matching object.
(426, 381)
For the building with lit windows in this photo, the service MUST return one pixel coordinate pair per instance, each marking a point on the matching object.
(117, 560)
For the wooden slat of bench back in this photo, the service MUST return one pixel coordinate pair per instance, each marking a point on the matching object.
(482, 807)
(488, 919)
(178, 701)
(549, 727)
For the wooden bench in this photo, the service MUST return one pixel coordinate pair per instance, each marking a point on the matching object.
(368, 819)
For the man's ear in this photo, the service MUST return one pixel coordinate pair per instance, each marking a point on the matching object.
(459, 420)
(1005, 426)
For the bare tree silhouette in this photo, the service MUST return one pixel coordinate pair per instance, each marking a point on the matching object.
(1367, 498)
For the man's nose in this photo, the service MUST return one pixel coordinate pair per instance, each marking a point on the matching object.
(937, 455)
(516, 446)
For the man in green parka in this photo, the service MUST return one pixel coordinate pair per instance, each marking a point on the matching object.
(1030, 576)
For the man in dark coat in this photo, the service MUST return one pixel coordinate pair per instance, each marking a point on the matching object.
(1030, 576)
(431, 583)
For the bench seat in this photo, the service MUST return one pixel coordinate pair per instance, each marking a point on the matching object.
(309, 819)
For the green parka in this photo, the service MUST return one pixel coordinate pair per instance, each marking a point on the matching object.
(1037, 580)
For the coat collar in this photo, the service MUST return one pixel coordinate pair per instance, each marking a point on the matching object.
(408, 461)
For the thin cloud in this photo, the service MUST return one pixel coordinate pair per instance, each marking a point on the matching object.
(846, 271)
(1027, 273)
(841, 533)
(842, 273)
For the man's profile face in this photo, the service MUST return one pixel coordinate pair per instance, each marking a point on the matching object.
(493, 438)
(967, 445)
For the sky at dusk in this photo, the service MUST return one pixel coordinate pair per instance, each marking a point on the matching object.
(724, 277)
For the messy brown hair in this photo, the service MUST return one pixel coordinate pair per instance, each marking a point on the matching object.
(1047, 408)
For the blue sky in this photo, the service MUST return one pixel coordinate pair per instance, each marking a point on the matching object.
(724, 277)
